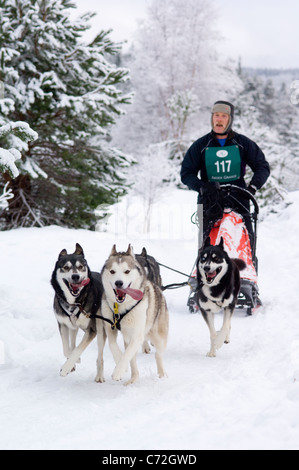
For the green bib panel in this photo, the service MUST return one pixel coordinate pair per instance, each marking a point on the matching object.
(223, 164)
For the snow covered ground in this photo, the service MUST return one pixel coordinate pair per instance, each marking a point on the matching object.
(246, 398)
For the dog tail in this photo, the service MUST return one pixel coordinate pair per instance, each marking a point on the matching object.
(241, 265)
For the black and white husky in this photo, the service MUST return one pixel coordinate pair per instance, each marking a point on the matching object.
(77, 301)
(218, 280)
(134, 305)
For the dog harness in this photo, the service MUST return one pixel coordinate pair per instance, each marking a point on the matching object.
(117, 317)
(78, 309)
(71, 310)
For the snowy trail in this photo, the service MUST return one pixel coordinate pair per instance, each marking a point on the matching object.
(246, 398)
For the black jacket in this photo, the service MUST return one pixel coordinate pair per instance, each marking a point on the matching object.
(251, 155)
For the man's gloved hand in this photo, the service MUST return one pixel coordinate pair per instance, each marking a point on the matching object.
(211, 194)
(213, 202)
(208, 189)
(251, 189)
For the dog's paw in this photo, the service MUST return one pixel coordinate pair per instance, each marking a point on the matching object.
(118, 373)
(117, 377)
(211, 353)
(99, 379)
(132, 380)
(66, 370)
(162, 375)
(146, 347)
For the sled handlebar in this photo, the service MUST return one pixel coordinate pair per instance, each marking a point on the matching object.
(242, 191)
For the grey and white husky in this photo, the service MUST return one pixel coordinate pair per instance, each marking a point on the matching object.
(78, 294)
(136, 307)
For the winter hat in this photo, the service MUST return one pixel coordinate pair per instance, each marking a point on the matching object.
(227, 108)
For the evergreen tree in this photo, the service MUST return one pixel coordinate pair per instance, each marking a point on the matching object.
(287, 125)
(68, 91)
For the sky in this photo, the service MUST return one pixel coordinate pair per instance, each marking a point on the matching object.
(263, 33)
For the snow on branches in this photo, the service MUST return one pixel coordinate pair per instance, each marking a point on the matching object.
(8, 157)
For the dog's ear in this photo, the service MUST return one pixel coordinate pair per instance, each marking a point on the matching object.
(144, 253)
(221, 244)
(207, 242)
(130, 251)
(62, 253)
(79, 250)
(113, 251)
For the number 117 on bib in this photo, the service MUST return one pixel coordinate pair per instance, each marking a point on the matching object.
(223, 166)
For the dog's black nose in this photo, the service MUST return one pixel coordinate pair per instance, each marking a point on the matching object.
(75, 278)
(207, 269)
(119, 284)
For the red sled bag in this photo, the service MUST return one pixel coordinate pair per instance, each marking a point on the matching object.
(236, 241)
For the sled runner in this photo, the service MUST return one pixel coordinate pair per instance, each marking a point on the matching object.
(239, 242)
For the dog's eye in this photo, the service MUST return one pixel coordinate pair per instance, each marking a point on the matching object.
(81, 267)
(66, 268)
(127, 271)
(112, 272)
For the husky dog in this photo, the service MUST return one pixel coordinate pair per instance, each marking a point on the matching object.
(78, 293)
(152, 271)
(136, 306)
(218, 280)
(151, 267)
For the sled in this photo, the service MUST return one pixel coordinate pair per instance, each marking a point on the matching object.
(231, 227)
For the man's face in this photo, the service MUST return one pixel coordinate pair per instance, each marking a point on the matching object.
(220, 122)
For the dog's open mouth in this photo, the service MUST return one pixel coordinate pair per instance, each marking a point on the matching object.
(120, 294)
(210, 276)
(75, 288)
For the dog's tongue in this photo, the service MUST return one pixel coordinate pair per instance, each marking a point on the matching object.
(134, 293)
(84, 283)
(211, 275)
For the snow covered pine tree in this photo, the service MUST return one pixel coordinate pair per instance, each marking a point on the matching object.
(67, 92)
(18, 134)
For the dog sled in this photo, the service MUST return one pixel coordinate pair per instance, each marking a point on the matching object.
(239, 242)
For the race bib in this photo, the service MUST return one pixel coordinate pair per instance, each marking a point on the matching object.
(223, 164)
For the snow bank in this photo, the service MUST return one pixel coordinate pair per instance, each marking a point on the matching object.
(246, 398)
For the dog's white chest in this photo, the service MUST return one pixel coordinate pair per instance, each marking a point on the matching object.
(210, 305)
(74, 320)
(82, 322)
(214, 304)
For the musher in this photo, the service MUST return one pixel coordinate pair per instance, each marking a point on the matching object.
(221, 157)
